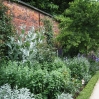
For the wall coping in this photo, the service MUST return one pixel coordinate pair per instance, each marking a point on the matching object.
(32, 7)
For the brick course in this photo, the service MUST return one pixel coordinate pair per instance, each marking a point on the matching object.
(23, 15)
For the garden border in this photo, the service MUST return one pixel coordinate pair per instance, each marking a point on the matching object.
(87, 91)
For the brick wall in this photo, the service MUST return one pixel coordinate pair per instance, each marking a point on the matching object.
(23, 14)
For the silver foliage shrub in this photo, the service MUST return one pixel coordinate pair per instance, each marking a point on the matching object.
(65, 96)
(29, 47)
(24, 46)
(7, 93)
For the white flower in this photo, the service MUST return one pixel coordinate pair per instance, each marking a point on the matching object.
(83, 81)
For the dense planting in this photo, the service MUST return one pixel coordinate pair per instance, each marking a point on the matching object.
(39, 81)
(31, 62)
(44, 80)
(79, 67)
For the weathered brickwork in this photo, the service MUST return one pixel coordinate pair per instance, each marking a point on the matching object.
(27, 16)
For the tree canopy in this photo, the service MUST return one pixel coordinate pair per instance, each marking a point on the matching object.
(80, 27)
(50, 6)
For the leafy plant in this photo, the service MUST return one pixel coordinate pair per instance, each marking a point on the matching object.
(41, 82)
(57, 82)
(65, 96)
(7, 93)
(15, 73)
(30, 47)
(48, 27)
(93, 58)
(56, 64)
(79, 67)
(6, 29)
(74, 87)
(76, 35)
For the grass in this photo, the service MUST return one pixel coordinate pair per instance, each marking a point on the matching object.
(87, 91)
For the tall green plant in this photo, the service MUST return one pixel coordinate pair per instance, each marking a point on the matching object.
(80, 27)
(48, 27)
(6, 29)
(79, 67)
(30, 47)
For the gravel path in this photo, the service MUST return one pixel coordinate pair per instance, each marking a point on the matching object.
(95, 93)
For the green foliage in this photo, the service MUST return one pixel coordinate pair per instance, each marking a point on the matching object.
(93, 58)
(80, 27)
(6, 29)
(7, 93)
(48, 26)
(45, 5)
(58, 80)
(41, 82)
(48, 79)
(87, 91)
(79, 67)
(94, 66)
(74, 86)
(50, 6)
(30, 47)
(80, 74)
(56, 64)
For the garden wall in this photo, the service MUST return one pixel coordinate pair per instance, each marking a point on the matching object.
(24, 14)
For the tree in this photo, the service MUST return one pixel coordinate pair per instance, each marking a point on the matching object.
(80, 27)
(50, 6)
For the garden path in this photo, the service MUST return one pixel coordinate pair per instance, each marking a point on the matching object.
(95, 93)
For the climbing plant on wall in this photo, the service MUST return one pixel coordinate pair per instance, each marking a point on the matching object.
(6, 29)
(48, 26)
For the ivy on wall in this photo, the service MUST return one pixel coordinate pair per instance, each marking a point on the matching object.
(48, 31)
(6, 29)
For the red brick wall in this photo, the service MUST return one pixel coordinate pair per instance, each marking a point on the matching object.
(23, 15)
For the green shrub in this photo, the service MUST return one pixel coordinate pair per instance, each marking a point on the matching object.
(74, 86)
(56, 64)
(15, 74)
(80, 74)
(94, 66)
(79, 67)
(41, 82)
(58, 81)
(49, 84)
(7, 93)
